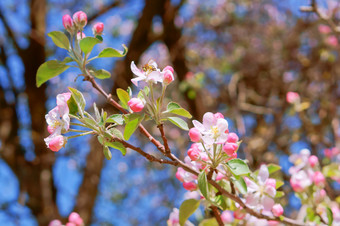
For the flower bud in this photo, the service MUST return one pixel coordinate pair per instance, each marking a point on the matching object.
(98, 28)
(136, 104)
(313, 160)
(168, 77)
(80, 19)
(277, 210)
(57, 143)
(180, 174)
(80, 35)
(68, 22)
(218, 115)
(232, 138)
(75, 218)
(319, 178)
(169, 68)
(230, 148)
(239, 214)
(70, 224)
(195, 135)
(190, 186)
(227, 217)
(292, 97)
(194, 154)
(55, 223)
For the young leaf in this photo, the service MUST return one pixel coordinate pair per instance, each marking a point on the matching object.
(79, 99)
(209, 222)
(116, 133)
(177, 109)
(238, 167)
(118, 146)
(241, 185)
(72, 106)
(96, 112)
(279, 184)
(123, 97)
(111, 52)
(187, 208)
(220, 201)
(279, 194)
(116, 118)
(48, 70)
(329, 216)
(179, 122)
(87, 44)
(101, 74)
(203, 184)
(107, 153)
(272, 168)
(60, 39)
(172, 106)
(67, 60)
(131, 126)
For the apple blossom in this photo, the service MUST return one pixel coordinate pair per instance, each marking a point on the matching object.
(319, 178)
(277, 210)
(313, 160)
(232, 138)
(149, 73)
(80, 35)
(194, 153)
(80, 19)
(98, 28)
(68, 22)
(56, 142)
(292, 97)
(174, 219)
(324, 29)
(168, 75)
(75, 218)
(227, 217)
(300, 181)
(55, 223)
(230, 148)
(195, 135)
(190, 186)
(136, 104)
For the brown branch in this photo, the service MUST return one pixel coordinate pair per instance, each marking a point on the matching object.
(217, 215)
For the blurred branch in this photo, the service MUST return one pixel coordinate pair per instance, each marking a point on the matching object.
(103, 10)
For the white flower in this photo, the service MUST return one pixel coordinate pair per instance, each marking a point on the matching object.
(149, 73)
(299, 160)
(213, 129)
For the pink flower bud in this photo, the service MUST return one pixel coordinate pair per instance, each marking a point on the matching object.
(136, 104)
(319, 178)
(190, 186)
(273, 223)
(324, 29)
(277, 210)
(271, 182)
(227, 217)
(70, 224)
(233, 156)
(67, 22)
(98, 28)
(292, 97)
(80, 19)
(195, 135)
(232, 138)
(194, 154)
(328, 153)
(57, 143)
(55, 223)
(168, 77)
(75, 218)
(313, 160)
(230, 148)
(169, 68)
(239, 214)
(180, 174)
(218, 115)
(80, 35)
(50, 129)
(332, 41)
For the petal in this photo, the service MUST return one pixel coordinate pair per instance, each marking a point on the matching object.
(253, 199)
(198, 125)
(209, 120)
(263, 174)
(207, 140)
(251, 185)
(155, 76)
(222, 138)
(153, 63)
(270, 191)
(267, 203)
(222, 125)
(135, 70)
(136, 80)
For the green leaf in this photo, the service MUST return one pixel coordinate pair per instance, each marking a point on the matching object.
(203, 184)
(60, 39)
(48, 70)
(96, 112)
(187, 208)
(72, 106)
(272, 168)
(221, 202)
(238, 167)
(172, 106)
(179, 122)
(131, 126)
(279, 183)
(209, 222)
(279, 194)
(101, 74)
(329, 216)
(111, 52)
(87, 44)
(241, 185)
(123, 97)
(116, 133)
(177, 109)
(79, 99)
(107, 153)
(116, 118)
(118, 146)
(67, 60)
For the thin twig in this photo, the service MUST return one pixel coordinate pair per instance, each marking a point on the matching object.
(217, 215)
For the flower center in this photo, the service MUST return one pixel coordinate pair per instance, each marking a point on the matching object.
(215, 131)
(148, 68)
(56, 124)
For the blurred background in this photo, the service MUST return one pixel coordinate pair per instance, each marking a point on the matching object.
(238, 57)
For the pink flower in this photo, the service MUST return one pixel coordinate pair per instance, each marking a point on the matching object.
(332, 41)
(55, 223)
(70, 224)
(233, 156)
(319, 179)
(218, 115)
(149, 73)
(232, 138)
(313, 160)
(194, 154)
(56, 143)
(195, 135)
(227, 217)
(80, 35)
(136, 104)
(190, 186)
(98, 28)
(292, 97)
(300, 181)
(239, 214)
(324, 29)
(277, 210)
(271, 182)
(75, 218)
(68, 22)
(168, 75)
(184, 176)
(80, 19)
(230, 148)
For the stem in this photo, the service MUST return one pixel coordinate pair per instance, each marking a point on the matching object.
(77, 124)
(78, 131)
(217, 215)
(82, 134)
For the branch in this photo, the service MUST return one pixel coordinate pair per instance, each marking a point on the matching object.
(217, 215)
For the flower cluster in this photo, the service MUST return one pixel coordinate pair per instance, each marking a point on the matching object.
(73, 220)
(58, 121)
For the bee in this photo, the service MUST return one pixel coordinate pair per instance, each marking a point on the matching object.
(150, 66)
